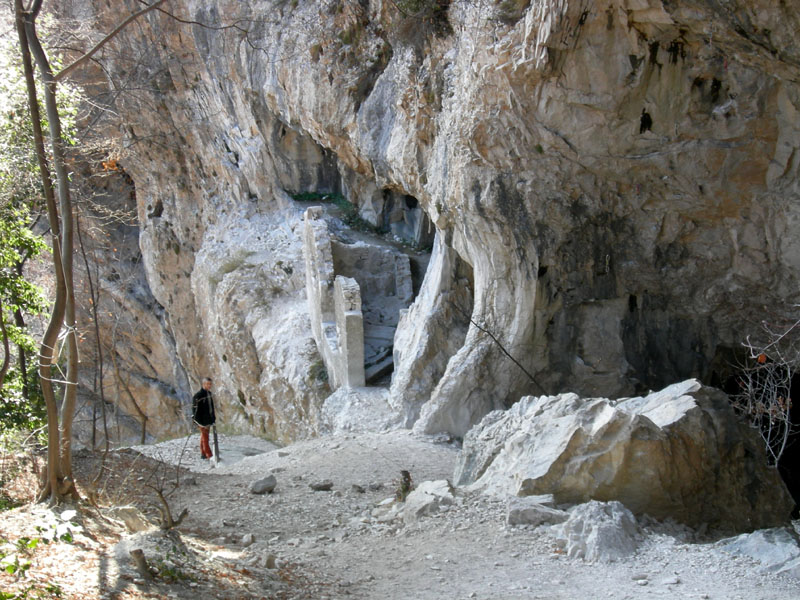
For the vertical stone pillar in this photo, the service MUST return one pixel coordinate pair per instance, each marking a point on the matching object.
(350, 329)
(319, 287)
(403, 283)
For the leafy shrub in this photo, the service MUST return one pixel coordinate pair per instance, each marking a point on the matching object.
(17, 412)
(318, 373)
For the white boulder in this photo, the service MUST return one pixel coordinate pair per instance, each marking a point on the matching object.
(533, 510)
(777, 549)
(679, 453)
(598, 532)
(427, 498)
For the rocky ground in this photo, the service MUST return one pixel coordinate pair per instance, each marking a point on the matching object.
(301, 542)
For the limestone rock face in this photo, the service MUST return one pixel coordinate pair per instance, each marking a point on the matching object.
(247, 287)
(613, 188)
(137, 373)
(679, 453)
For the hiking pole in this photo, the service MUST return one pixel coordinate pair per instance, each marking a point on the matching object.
(216, 445)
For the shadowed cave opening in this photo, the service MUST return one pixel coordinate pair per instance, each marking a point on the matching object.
(729, 368)
(380, 237)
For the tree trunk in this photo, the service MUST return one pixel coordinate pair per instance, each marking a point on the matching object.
(58, 482)
(59, 422)
(6, 348)
(22, 358)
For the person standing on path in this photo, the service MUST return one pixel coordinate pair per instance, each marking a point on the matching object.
(203, 414)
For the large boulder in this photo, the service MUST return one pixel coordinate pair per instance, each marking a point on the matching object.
(427, 499)
(680, 453)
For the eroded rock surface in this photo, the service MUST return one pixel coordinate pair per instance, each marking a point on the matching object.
(613, 188)
(598, 531)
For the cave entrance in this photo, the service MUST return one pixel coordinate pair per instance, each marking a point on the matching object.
(384, 277)
(389, 265)
(405, 220)
(789, 464)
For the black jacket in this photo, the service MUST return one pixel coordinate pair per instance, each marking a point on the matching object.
(203, 408)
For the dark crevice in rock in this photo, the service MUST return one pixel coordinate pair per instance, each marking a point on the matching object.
(662, 348)
(405, 219)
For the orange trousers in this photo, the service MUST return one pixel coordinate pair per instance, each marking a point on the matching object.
(205, 449)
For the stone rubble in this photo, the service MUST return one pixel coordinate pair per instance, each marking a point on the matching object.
(533, 510)
(778, 549)
(598, 531)
(264, 486)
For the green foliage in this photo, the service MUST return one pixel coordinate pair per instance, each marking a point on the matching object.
(7, 503)
(17, 413)
(15, 559)
(318, 373)
(349, 211)
(19, 175)
(57, 532)
(18, 243)
(314, 197)
(50, 590)
(12, 564)
(168, 567)
(21, 198)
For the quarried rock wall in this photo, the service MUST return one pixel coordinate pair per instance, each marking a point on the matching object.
(613, 184)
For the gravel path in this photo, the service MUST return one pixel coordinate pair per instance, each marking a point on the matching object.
(337, 547)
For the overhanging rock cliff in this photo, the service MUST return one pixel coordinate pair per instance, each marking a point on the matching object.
(613, 187)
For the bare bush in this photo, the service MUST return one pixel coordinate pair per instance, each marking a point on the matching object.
(765, 383)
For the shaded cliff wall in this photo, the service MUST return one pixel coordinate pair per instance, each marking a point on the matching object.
(142, 379)
(614, 186)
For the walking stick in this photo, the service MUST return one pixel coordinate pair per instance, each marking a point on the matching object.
(216, 445)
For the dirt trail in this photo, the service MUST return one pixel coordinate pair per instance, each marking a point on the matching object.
(335, 548)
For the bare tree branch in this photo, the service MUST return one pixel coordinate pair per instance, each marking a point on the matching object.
(78, 62)
(765, 384)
